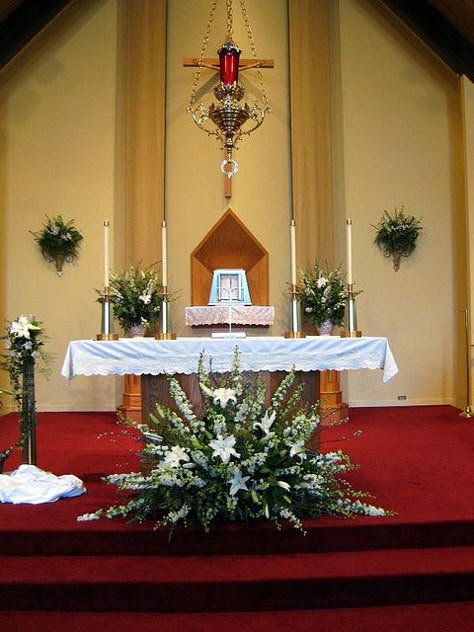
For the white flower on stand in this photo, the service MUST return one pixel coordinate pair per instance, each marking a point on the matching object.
(21, 328)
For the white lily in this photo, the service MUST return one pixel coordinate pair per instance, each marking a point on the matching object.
(297, 448)
(224, 448)
(145, 297)
(21, 328)
(221, 396)
(266, 422)
(174, 456)
(238, 482)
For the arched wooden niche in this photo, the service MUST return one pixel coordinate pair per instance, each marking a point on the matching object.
(229, 244)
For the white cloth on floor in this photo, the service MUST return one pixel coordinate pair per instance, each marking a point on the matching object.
(29, 484)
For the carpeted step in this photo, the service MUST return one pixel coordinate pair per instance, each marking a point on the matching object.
(324, 535)
(234, 583)
(415, 618)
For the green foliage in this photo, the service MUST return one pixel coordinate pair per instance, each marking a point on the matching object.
(57, 238)
(238, 462)
(397, 234)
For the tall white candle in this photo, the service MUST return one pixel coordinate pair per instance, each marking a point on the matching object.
(164, 255)
(293, 251)
(349, 250)
(106, 252)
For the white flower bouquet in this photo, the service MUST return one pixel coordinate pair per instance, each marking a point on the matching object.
(322, 293)
(241, 461)
(136, 296)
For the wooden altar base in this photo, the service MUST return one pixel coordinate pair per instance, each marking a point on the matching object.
(333, 409)
(131, 407)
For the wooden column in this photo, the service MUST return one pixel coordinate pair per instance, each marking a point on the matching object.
(144, 91)
(333, 409)
(132, 398)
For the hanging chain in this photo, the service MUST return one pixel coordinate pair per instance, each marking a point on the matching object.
(253, 50)
(202, 52)
(230, 19)
(248, 29)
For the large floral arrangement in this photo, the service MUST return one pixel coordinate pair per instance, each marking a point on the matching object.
(59, 240)
(136, 296)
(24, 342)
(322, 293)
(239, 461)
(397, 234)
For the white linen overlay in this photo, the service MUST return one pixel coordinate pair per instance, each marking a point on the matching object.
(138, 356)
(262, 315)
(30, 485)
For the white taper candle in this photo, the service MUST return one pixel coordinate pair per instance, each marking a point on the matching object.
(293, 251)
(164, 255)
(349, 250)
(106, 252)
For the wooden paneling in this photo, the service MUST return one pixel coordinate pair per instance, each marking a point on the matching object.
(229, 244)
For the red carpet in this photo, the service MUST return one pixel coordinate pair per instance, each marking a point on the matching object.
(414, 571)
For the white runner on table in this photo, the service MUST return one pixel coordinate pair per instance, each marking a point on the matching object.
(262, 315)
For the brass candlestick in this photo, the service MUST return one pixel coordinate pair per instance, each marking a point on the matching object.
(106, 319)
(295, 316)
(351, 330)
(165, 333)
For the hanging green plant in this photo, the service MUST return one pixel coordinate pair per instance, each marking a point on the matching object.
(397, 235)
(59, 241)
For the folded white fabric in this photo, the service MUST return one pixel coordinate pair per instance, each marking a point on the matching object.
(29, 484)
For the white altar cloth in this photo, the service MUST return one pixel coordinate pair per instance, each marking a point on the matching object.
(138, 356)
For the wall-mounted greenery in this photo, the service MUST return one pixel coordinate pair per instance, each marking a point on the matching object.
(59, 241)
(397, 235)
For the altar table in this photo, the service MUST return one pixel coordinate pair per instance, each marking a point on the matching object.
(273, 355)
(140, 356)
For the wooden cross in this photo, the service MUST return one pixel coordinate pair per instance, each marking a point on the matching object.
(213, 64)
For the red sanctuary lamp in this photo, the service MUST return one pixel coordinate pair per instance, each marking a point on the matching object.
(229, 56)
(225, 117)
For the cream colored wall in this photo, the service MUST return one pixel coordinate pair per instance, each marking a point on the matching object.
(194, 186)
(396, 120)
(59, 104)
(396, 110)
